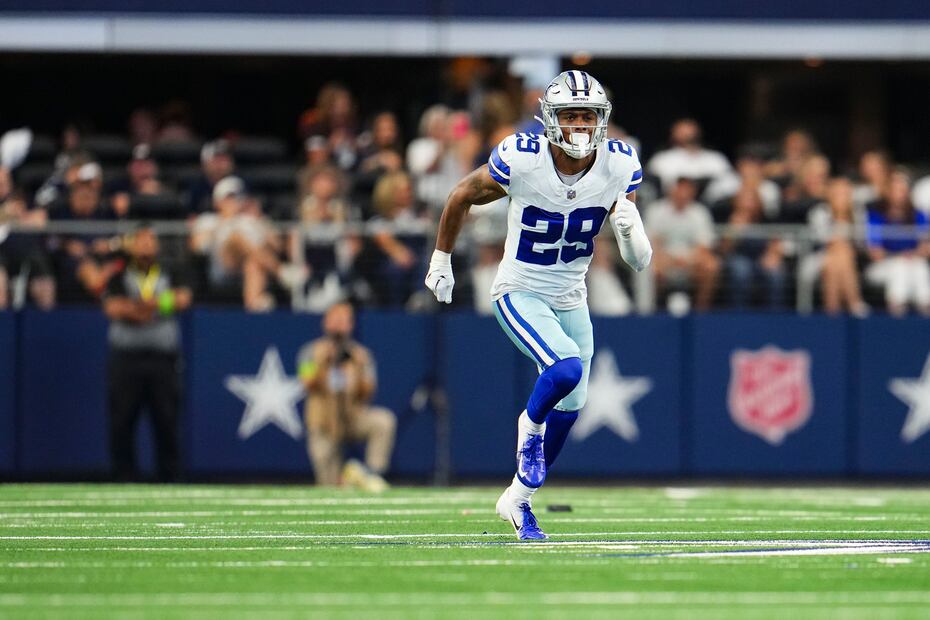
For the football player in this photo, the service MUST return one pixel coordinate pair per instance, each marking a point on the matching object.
(562, 187)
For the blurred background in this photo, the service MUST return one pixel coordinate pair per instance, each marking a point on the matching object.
(291, 155)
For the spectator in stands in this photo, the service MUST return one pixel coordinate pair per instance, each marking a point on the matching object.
(433, 158)
(395, 259)
(749, 176)
(899, 255)
(321, 241)
(85, 261)
(797, 146)
(497, 121)
(606, 294)
(687, 157)
(682, 235)
(875, 169)
(833, 225)
(749, 258)
(175, 124)
(142, 126)
(241, 248)
(489, 231)
(24, 266)
(54, 189)
(318, 155)
(334, 118)
(807, 189)
(216, 161)
(920, 195)
(528, 123)
(142, 180)
(340, 377)
(380, 154)
(141, 302)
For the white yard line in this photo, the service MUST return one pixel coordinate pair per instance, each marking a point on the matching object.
(445, 599)
(846, 532)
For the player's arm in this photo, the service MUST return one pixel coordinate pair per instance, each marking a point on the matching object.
(630, 232)
(477, 188)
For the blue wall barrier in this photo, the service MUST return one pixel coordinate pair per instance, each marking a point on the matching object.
(444, 9)
(7, 391)
(893, 382)
(769, 395)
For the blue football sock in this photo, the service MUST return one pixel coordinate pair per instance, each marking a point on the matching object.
(553, 384)
(558, 425)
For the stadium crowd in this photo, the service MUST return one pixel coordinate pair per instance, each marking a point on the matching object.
(352, 219)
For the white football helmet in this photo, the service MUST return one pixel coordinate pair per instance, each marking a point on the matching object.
(574, 89)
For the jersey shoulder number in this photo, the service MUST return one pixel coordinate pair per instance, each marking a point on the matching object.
(624, 164)
(511, 154)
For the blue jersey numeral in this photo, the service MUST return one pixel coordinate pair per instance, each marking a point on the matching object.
(583, 226)
(527, 143)
(619, 146)
(553, 232)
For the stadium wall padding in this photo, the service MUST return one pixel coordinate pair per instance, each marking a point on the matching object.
(7, 391)
(713, 395)
(450, 9)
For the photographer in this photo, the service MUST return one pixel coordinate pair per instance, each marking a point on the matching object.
(340, 377)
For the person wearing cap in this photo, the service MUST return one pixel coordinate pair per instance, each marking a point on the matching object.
(241, 248)
(84, 262)
(142, 179)
(142, 302)
(216, 163)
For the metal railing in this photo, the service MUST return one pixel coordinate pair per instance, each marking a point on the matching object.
(799, 241)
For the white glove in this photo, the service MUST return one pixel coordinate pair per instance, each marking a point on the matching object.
(631, 235)
(625, 217)
(439, 277)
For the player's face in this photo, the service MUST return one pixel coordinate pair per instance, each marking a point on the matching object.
(577, 120)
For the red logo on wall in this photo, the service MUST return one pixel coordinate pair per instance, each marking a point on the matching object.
(770, 391)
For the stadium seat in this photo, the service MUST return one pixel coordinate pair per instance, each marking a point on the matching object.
(43, 149)
(273, 178)
(177, 152)
(114, 174)
(163, 206)
(259, 149)
(108, 148)
(282, 207)
(180, 175)
(30, 176)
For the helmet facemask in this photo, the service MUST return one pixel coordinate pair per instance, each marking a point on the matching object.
(574, 90)
(580, 144)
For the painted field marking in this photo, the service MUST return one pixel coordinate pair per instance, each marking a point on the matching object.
(446, 599)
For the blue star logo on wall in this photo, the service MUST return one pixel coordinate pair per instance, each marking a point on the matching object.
(610, 400)
(270, 397)
(916, 394)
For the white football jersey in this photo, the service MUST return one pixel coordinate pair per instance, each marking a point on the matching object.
(550, 225)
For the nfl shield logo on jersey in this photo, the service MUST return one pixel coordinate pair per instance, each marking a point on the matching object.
(770, 391)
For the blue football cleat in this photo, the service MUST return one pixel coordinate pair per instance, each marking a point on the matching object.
(530, 529)
(531, 462)
(521, 517)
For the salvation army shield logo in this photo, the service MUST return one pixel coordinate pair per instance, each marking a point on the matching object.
(770, 392)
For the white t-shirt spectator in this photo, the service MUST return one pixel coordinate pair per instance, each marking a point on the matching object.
(674, 163)
(680, 232)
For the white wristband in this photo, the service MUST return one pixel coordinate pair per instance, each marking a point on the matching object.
(441, 259)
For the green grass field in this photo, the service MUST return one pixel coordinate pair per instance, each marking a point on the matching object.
(104, 551)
